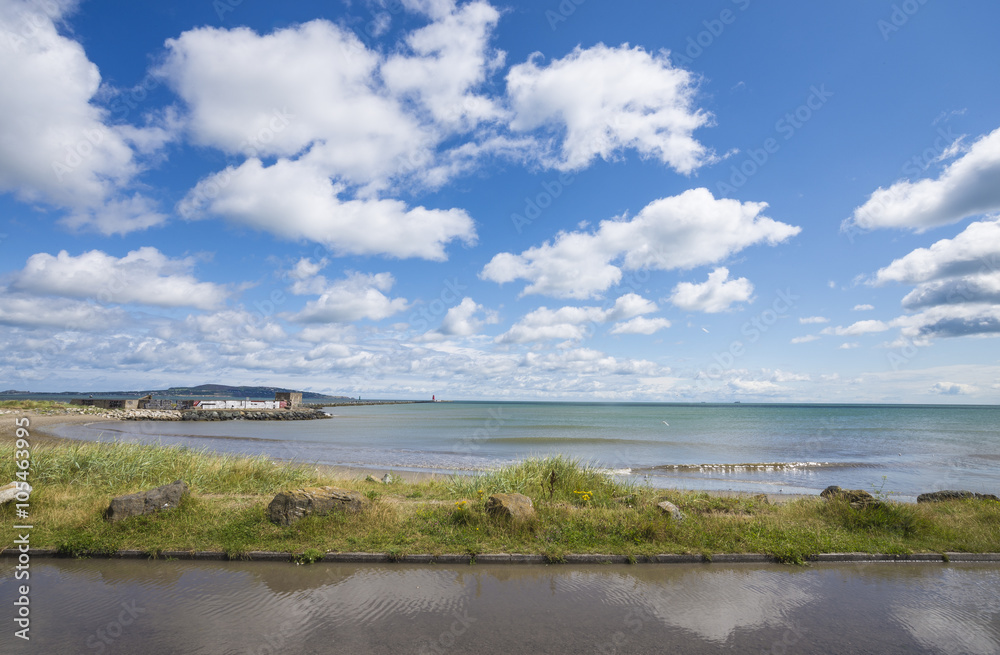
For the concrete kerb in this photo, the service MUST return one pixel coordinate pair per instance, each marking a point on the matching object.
(522, 558)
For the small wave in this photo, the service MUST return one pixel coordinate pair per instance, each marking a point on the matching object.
(562, 441)
(762, 467)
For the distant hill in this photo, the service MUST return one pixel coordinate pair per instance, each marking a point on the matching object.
(201, 391)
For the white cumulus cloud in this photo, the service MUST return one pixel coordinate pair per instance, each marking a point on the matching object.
(19, 310)
(601, 100)
(640, 325)
(953, 388)
(856, 329)
(356, 297)
(679, 232)
(461, 320)
(144, 276)
(975, 249)
(296, 201)
(968, 187)
(56, 146)
(717, 294)
(450, 57)
(573, 323)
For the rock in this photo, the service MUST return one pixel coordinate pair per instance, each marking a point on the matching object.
(289, 506)
(940, 496)
(858, 498)
(9, 491)
(513, 506)
(669, 508)
(146, 502)
(371, 478)
(762, 499)
(388, 479)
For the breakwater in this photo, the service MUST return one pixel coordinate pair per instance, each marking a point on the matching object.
(252, 414)
(301, 414)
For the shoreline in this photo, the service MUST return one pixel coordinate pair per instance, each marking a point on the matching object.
(579, 515)
(40, 423)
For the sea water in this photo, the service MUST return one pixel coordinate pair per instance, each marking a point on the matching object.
(902, 449)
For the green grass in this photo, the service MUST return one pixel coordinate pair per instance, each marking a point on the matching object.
(32, 404)
(579, 509)
(551, 478)
(124, 467)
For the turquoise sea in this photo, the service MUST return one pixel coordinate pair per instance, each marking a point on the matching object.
(905, 449)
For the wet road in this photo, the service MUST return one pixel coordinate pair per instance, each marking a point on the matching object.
(123, 606)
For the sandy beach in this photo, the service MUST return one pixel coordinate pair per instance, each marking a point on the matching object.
(39, 424)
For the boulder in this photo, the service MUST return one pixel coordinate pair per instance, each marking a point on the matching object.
(289, 506)
(941, 496)
(668, 507)
(858, 498)
(146, 502)
(9, 491)
(512, 506)
(371, 478)
(388, 479)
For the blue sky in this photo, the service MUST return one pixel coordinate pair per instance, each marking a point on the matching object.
(731, 200)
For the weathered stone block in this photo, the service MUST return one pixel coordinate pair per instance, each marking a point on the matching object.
(858, 498)
(668, 507)
(941, 496)
(512, 506)
(161, 498)
(9, 491)
(289, 506)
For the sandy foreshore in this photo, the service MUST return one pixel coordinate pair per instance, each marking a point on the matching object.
(41, 423)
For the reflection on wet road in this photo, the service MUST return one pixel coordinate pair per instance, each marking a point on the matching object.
(123, 606)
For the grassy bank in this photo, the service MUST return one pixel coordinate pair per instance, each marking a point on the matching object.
(32, 404)
(579, 510)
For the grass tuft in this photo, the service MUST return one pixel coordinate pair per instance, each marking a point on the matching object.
(552, 479)
(122, 467)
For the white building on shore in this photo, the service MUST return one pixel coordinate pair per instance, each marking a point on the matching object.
(239, 404)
